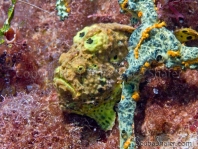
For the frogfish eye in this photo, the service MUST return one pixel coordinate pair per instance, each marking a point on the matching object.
(80, 69)
(114, 59)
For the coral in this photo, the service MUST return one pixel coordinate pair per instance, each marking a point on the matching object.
(156, 45)
(88, 76)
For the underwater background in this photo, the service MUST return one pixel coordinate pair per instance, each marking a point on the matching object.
(34, 34)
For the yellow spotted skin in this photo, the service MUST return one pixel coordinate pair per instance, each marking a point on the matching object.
(186, 34)
(87, 78)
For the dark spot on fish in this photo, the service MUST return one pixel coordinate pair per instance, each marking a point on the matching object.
(184, 31)
(106, 121)
(102, 117)
(89, 41)
(100, 90)
(115, 57)
(189, 37)
(82, 34)
(102, 82)
(103, 123)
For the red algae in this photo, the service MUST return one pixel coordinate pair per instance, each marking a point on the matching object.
(168, 107)
(35, 120)
(178, 13)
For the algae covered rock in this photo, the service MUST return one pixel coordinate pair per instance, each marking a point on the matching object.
(88, 76)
